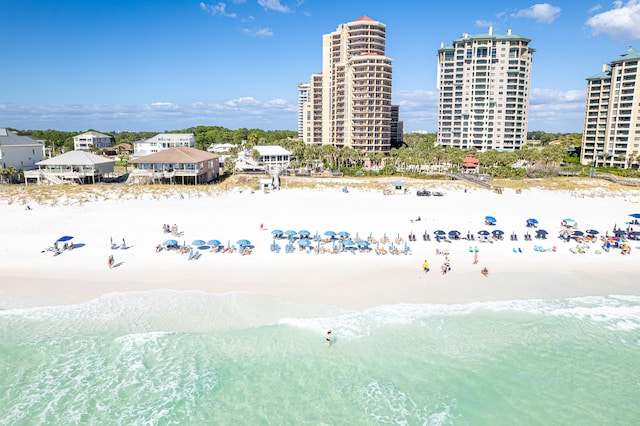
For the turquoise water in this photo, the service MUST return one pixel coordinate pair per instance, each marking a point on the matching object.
(168, 357)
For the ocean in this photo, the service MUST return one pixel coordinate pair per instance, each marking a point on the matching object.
(189, 358)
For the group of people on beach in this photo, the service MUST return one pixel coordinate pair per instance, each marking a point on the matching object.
(168, 229)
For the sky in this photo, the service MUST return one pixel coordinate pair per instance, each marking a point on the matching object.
(143, 65)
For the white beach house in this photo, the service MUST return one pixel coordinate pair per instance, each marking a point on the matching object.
(272, 159)
(161, 142)
(71, 167)
(89, 140)
(21, 152)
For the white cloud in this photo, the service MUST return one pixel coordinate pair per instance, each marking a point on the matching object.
(274, 5)
(483, 23)
(258, 32)
(595, 8)
(541, 12)
(218, 9)
(156, 116)
(623, 21)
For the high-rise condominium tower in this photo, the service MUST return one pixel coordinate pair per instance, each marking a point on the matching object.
(483, 84)
(348, 104)
(611, 135)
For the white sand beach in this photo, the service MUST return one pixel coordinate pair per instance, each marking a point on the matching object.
(30, 275)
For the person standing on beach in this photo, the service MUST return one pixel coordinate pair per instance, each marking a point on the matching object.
(328, 338)
(475, 257)
(111, 261)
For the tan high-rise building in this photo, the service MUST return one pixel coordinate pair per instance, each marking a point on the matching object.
(611, 135)
(349, 103)
(483, 84)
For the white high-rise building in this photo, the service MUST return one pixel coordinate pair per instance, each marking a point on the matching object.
(348, 104)
(611, 135)
(303, 99)
(484, 84)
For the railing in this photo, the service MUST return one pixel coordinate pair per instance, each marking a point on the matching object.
(479, 180)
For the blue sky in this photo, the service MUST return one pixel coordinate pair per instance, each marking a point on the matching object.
(163, 65)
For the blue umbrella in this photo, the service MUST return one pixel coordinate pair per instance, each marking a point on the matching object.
(198, 243)
(497, 232)
(532, 221)
(304, 242)
(290, 232)
(453, 234)
(213, 243)
(592, 232)
(439, 232)
(490, 219)
(483, 232)
(348, 243)
(244, 242)
(541, 232)
(635, 215)
(343, 234)
(577, 233)
(204, 247)
(277, 232)
(170, 243)
(363, 243)
(65, 238)
(304, 233)
(330, 234)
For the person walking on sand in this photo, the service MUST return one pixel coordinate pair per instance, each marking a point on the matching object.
(110, 261)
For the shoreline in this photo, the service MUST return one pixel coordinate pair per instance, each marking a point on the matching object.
(30, 277)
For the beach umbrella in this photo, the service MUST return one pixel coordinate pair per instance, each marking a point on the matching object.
(439, 232)
(213, 243)
(244, 242)
(577, 233)
(363, 243)
(348, 243)
(170, 243)
(304, 242)
(65, 238)
(204, 247)
(532, 221)
(497, 232)
(541, 232)
(568, 220)
(330, 234)
(490, 219)
(592, 232)
(277, 232)
(344, 234)
(304, 233)
(635, 215)
(454, 234)
(290, 232)
(198, 243)
(619, 232)
(483, 232)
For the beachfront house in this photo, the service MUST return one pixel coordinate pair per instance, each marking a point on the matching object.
(271, 159)
(161, 142)
(71, 167)
(223, 150)
(182, 165)
(20, 152)
(91, 140)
